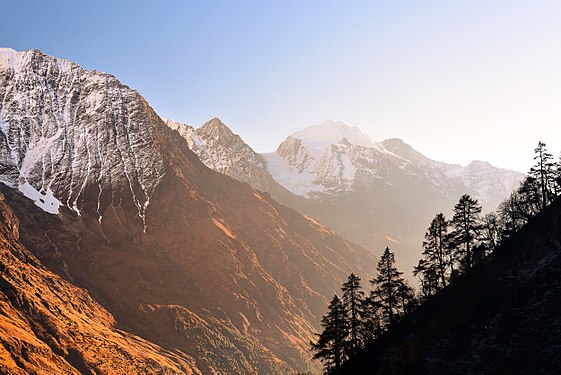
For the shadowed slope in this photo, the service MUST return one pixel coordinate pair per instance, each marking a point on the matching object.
(49, 326)
(501, 318)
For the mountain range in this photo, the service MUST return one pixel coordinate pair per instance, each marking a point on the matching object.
(376, 194)
(173, 266)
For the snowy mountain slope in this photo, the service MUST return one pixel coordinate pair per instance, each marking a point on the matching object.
(343, 158)
(66, 133)
(225, 152)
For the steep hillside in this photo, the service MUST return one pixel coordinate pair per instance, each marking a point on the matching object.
(49, 326)
(188, 258)
(502, 318)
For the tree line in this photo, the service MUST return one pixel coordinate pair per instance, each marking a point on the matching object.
(450, 249)
(357, 319)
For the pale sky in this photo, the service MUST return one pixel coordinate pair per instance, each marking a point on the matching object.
(458, 80)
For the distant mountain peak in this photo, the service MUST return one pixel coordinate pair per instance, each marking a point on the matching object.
(12, 59)
(333, 132)
(216, 127)
(479, 163)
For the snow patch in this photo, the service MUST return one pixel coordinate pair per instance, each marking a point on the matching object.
(9, 58)
(36, 152)
(47, 202)
(299, 183)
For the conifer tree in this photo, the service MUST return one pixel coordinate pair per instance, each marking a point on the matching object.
(466, 225)
(428, 278)
(406, 297)
(372, 325)
(490, 231)
(543, 173)
(353, 302)
(435, 266)
(388, 288)
(330, 347)
(557, 178)
(513, 214)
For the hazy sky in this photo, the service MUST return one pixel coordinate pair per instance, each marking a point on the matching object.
(458, 80)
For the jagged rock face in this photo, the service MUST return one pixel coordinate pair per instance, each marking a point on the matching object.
(491, 184)
(225, 152)
(72, 134)
(309, 170)
(183, 256)
(48, 325)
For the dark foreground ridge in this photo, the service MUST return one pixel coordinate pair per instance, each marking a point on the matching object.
(501, 318)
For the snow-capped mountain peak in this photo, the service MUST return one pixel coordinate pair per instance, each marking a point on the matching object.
(55, 146)
(333, 132)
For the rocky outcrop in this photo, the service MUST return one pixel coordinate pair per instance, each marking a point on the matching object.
(225, 152)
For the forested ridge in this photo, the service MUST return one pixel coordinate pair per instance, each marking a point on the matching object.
(480, 278)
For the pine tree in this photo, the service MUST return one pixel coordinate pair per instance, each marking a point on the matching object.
(353, 302)
(466, 225)
(512, 215)
(543, 173)
(490, 232)
(529, 198)
(388, 288)
(407, 297)
(330, 347)
(372, 325)
(428, 278)
(436, 262)
(557, 178)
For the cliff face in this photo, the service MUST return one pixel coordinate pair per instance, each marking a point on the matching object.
(49, 326)
(181, 255)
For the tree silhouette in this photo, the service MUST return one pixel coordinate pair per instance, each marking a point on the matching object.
(353, 301)
(557, 178)
(436, 265)
(372, 325)
(544, 175)
(388, 288)
(330, 347)
(490, 232)
(466, 225)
